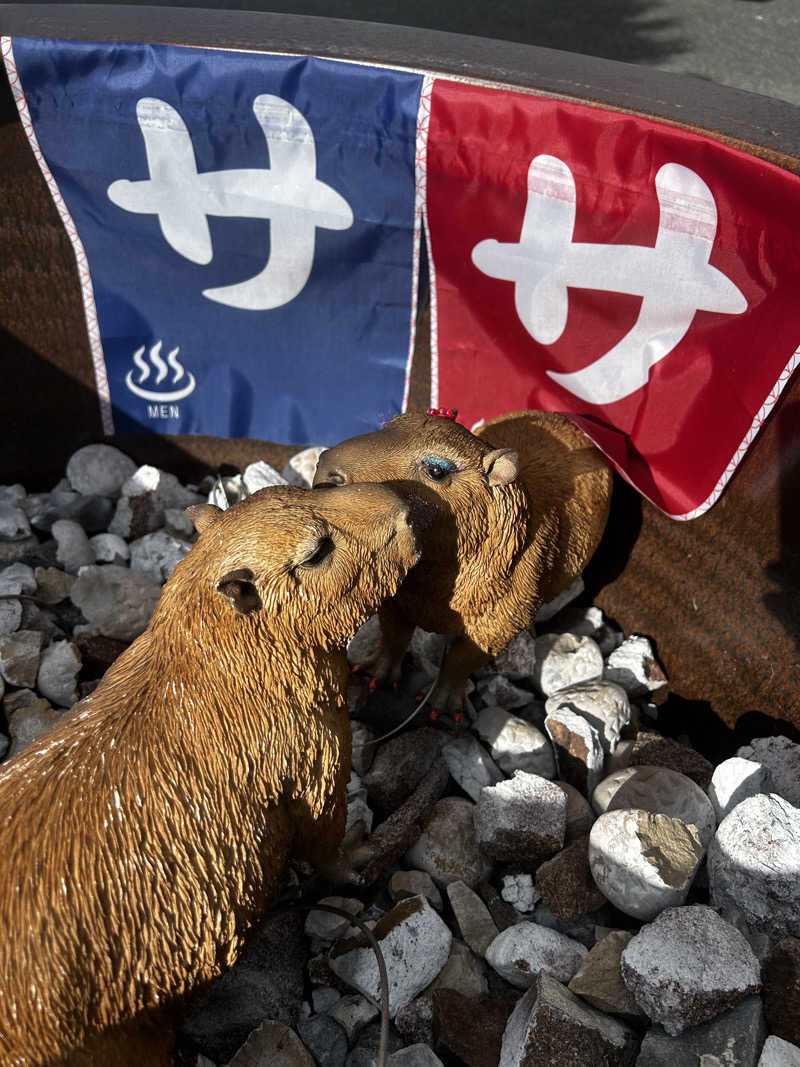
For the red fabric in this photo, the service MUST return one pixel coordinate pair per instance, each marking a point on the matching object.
(677, 436)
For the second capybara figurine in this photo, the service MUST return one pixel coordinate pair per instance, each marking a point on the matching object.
(143, 835)
(518, 510)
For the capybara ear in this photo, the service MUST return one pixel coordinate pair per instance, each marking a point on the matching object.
(238, 587)
(501, 466)
(203, 515)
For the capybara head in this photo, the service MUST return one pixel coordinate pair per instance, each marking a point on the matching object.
(432, 459)
(311, 566)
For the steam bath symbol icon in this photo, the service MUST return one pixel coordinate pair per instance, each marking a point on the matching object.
(161, 368)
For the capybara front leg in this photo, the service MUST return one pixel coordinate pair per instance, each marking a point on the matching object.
(342, 867)
(449, 693)
(386, 662)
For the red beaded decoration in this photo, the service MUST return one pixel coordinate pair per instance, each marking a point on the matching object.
(444, 413)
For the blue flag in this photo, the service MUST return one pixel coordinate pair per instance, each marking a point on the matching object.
(248, 224)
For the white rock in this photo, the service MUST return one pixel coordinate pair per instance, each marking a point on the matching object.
(325, 926)
(497, 691)
(732, 1039)
(363, 747)
(520, 952)
(324, 997)
(519, 890)
(21, 698)
(365, 640)
(418, 1055)
(302, 467)
(57, 679)
(522, 819)
(358, 810)
(260, 475)
(352, 1013)
(658, 790)
(447, 848)
(604, 705)
(92, 513)
(733, 781)
(30, 722)
(599, 981)
(99, 469)
(12, 494)
(564, 660)
(118, 602)
(781, 757)
(464, 972)
(416, 945)
(514, 744)
(643, 863)
(621, 756)
(470, 765)
(590, 622)
(779, 1053)
(753, 864)
(474, 921)
(404, 884)
(549, 1018)
(19, 657)
(156, 555)
(552, 607)
(159, 491)
(178, 523)
(519, 658)
(53, 585)
(10, 616)
(74, 550)
(14, 525)
(17, 578)
(109, 548)
(226, 491)
(633, 666)
(273, 1044)
(579, 751)
(167, 489)
(428, 648)
(688, 966)
(580, 816)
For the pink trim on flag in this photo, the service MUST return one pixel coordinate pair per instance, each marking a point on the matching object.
(87, 290)
(747, 440)
(420, 180)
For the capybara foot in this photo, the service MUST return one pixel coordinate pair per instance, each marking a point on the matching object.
(383, 666)
(447, 701)
(352, 855)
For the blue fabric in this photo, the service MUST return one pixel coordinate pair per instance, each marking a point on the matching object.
(330, 360)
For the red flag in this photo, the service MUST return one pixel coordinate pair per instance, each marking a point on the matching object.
(641, 278)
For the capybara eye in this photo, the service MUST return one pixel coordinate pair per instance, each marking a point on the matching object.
(437, 469)
(321, 552)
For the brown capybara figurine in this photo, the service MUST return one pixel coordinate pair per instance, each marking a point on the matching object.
(519, 510)
(143, 835)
